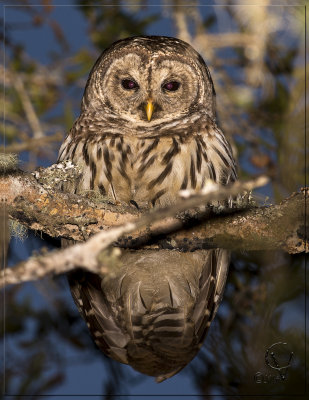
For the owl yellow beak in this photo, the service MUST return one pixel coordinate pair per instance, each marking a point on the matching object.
(149, 109)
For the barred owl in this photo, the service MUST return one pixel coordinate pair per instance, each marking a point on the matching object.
(147, 129)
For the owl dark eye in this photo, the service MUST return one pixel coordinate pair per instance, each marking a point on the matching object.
(128, 84)
(171, 86)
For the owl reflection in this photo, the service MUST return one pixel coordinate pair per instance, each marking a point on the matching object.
(147, 130)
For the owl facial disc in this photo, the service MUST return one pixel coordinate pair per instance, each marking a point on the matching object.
(150, 81)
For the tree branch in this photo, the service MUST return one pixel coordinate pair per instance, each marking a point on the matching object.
(31, 115)
(90, 255)
(33, 201)
(40, 207)
(32, 143)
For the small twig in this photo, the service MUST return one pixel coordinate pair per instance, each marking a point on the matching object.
(221, 40)
(181, 24)
(28, 107)
(32, 143)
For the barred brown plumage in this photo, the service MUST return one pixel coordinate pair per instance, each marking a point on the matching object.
(146, 130)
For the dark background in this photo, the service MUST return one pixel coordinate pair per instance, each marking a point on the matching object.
(256, 55)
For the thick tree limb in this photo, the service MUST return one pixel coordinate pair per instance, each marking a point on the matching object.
(58, 214)
(55, 213)
(75, 217)
(90, 255)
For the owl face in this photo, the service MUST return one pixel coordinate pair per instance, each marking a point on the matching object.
(150, 89)
(149, 81)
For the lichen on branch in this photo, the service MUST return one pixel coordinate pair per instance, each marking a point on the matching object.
(34, 200)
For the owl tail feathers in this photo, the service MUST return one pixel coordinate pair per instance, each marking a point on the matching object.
(163, 377)
(163, 342)
(146, 361)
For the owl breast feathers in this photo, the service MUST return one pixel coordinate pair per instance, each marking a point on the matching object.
(146, 130)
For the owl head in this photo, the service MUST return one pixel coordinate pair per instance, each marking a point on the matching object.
(149, 80)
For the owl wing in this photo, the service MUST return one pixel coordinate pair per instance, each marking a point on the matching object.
(194, 308)
(96, 310)
(211, 288)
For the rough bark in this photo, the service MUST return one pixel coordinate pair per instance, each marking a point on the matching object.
(32, 200)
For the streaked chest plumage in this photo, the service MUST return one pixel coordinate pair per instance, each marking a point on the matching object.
(149, 170)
